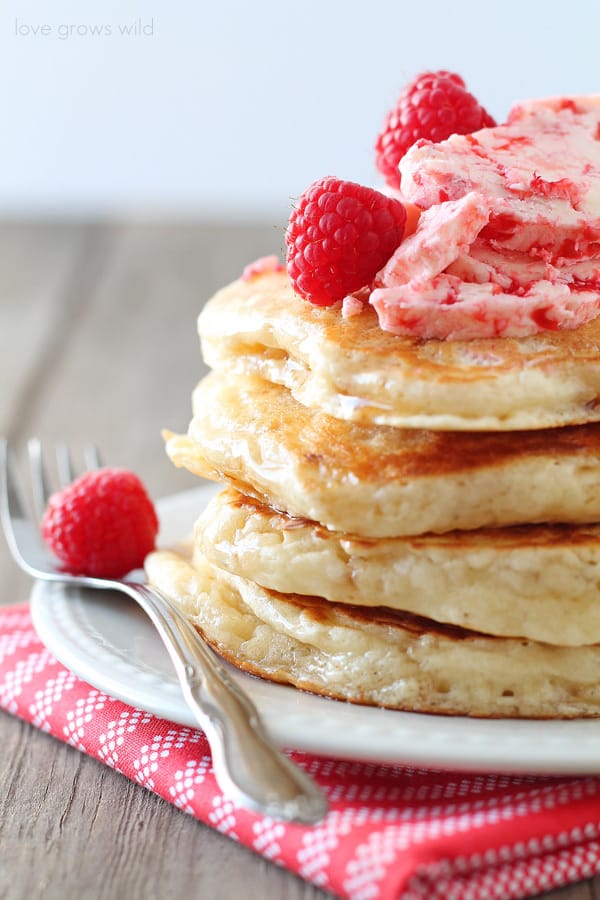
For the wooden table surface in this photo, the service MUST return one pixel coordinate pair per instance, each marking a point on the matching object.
(98, 343)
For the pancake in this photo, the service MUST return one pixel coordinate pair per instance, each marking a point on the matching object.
(380, 481)
(375, 656)
(536, 581)
(352, 369)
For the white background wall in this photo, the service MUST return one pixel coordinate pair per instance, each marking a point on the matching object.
(230, 108)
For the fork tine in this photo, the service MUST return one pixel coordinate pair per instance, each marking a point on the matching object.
(12, 497)
(12, 502)
(64, 464)
(92, 458)
(40, 483)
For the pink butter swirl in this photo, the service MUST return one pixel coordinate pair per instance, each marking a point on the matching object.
(262, 266)
(508, 244)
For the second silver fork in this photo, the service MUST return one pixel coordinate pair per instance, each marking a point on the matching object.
(247, 766)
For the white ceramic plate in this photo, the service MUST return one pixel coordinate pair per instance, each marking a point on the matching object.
(106, 640)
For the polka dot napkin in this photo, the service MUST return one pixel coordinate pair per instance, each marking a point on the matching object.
(392, 832)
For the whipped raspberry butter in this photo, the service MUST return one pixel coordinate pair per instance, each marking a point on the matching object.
(485, 230)
(509, 240)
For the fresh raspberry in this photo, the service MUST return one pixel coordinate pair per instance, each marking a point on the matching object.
(339, 235)
(103, 524)
(432, 106)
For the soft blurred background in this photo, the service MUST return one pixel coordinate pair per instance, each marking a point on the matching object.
(150, 149)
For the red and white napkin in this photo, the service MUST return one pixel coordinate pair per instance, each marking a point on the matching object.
(392, 831)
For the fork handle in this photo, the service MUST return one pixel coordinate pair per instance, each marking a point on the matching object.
(247, 766)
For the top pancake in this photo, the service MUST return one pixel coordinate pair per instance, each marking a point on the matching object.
(352, 369)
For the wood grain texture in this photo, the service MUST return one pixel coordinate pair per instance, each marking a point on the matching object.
(98, 343)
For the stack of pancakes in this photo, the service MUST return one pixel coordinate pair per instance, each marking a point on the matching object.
(404, 523)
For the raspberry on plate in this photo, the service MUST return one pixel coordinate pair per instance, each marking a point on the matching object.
(432, 107)
(339, 235)
(103, 524)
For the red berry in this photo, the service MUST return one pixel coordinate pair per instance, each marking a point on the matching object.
(432, 106)
(339, 235)
(103, 524)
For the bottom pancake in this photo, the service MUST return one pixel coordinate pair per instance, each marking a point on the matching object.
(377, 656)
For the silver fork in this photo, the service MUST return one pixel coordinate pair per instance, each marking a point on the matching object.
(247, 766)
